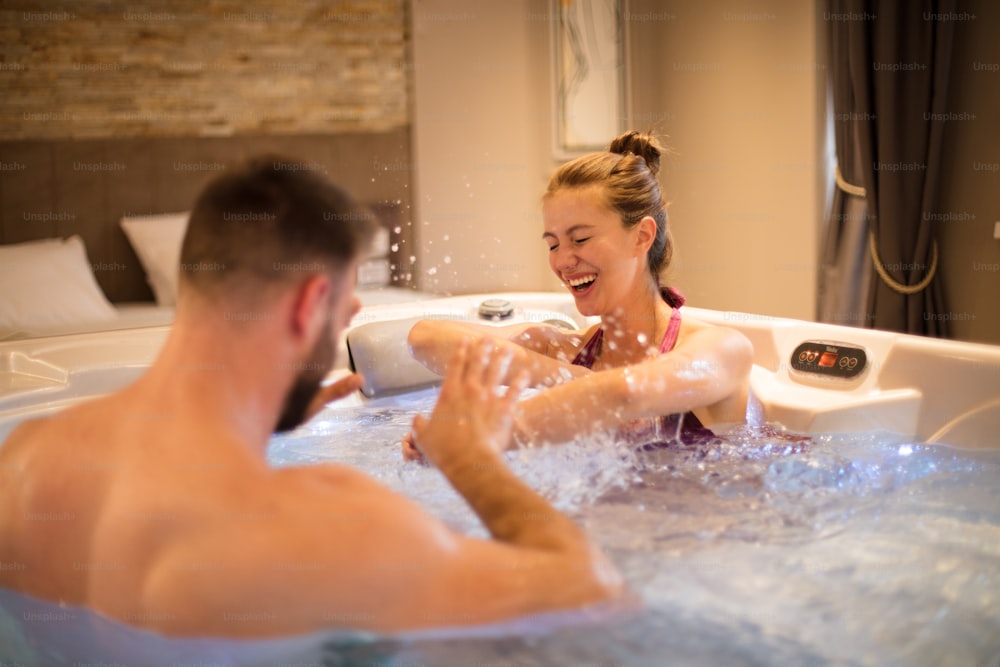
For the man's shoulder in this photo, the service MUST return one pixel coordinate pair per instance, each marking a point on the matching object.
(76, 423)
(331, 480)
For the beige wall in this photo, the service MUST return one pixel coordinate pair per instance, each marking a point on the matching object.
(740, 95)
(746, 128)
(480, 105)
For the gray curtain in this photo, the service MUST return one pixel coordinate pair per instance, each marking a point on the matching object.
(889, 72)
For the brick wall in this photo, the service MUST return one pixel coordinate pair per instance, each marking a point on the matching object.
(85, 69)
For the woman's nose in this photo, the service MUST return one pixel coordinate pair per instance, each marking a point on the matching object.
(564, 259)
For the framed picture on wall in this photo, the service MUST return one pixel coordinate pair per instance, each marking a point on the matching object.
(589, 74)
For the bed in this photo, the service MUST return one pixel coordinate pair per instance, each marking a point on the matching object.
(49, 287)
(90, 228)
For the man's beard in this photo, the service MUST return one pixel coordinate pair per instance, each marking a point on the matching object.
(307, 384)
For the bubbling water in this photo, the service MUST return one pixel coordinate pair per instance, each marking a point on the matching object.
(757, 544)
(755, 547)
(369, 438)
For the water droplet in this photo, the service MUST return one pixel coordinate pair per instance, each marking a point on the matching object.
(641, 338)
(905, 450)
(394, 247)
(431, 271)
(446, 237)
(447, 259)
(413, 259)
(397, 230)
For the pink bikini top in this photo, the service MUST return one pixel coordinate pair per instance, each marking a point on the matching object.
(588, 353)
(691, 427)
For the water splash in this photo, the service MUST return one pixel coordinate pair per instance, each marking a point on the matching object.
(849, 548)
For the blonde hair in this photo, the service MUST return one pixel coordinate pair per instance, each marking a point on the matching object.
(626, 173)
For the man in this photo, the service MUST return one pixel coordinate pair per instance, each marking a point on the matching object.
(156, 505)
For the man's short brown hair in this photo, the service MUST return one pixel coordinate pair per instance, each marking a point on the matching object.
(268, 220)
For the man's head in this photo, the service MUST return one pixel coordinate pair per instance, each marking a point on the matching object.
(274, 231)
(267, 222)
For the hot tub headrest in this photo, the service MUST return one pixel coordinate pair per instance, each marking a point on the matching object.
(379, 351)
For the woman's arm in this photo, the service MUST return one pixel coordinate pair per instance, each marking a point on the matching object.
(542, 351)
(709, 370)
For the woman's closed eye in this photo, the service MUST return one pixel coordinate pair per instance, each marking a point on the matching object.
(555, 246)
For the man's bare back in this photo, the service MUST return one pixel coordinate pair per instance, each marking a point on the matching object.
(156, 505)
(127, 507)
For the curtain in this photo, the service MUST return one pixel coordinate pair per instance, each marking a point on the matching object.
(889, 64)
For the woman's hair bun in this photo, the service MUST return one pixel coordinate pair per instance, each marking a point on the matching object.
(644, 145)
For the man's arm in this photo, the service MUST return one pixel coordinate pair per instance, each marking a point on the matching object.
(471, 424)
(340, 550)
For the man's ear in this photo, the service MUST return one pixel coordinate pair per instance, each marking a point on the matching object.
(310, 307)
(645, 234)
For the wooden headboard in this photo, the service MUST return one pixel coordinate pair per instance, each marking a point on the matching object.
(60, 188)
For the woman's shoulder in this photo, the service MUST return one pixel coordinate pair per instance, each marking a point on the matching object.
(695, 333)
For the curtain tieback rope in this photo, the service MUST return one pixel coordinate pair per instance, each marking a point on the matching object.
(855, 190)
(858, 191)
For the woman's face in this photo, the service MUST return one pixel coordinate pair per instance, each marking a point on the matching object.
(591, 251)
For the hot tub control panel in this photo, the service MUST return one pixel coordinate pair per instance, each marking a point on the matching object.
(829, 359)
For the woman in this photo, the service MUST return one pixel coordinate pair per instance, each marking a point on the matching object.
(643, 370)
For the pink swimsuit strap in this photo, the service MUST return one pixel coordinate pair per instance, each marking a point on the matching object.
(588, 353)
(667, 425)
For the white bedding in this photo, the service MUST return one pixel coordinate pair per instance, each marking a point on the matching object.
(127, 316)
(148, 314)
(48, 287)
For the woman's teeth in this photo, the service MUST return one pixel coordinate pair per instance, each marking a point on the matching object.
(580, 284)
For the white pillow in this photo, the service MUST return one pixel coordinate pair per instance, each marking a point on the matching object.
(157, 240)
(46, 283)
(374, 273)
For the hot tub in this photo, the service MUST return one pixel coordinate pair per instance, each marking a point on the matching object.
(808, 377)
(877, 541)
